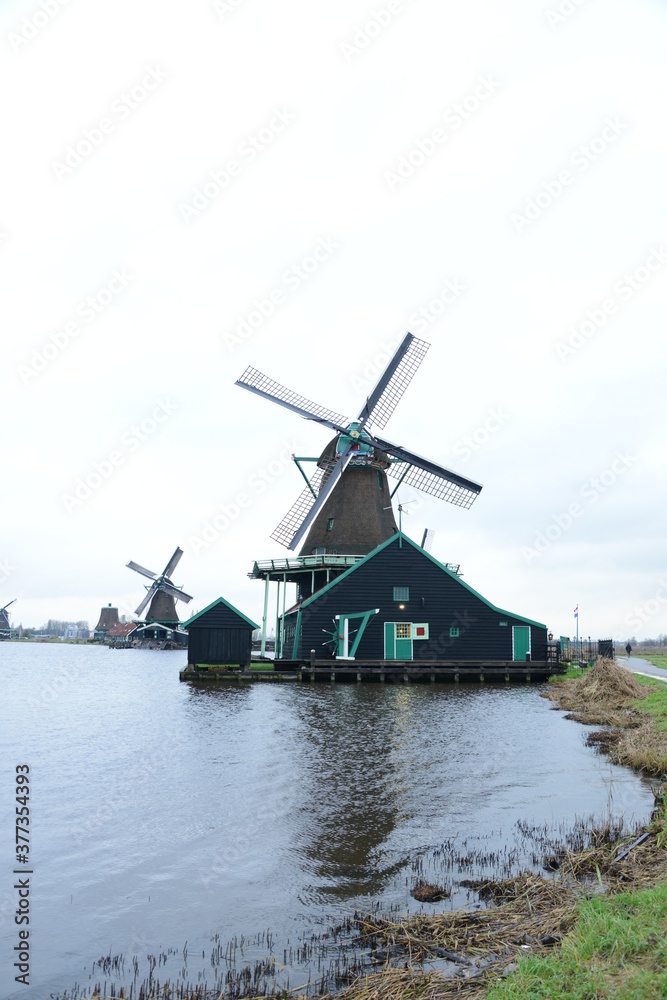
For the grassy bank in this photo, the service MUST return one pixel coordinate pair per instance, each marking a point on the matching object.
(599, 929)
(657, 659)
(617, 949)
(596, 928)
(634, 707)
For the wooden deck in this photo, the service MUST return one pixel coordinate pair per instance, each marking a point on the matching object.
(381, 672)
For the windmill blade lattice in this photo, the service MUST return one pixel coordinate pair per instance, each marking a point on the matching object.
(150, 594)
(413, 470)
(394, 381)
(180, 595)
(436, 485)
(290, 524)
(173, 563)
(141, 569)
(262, 385)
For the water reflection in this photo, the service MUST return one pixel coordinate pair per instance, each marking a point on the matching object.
(352, 788)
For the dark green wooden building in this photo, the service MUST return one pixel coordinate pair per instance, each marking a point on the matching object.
(219, 635)
(407, 607)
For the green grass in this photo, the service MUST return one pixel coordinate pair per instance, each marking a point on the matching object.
(656, 703)
(570, 673)
(657, 659)
(617, 950)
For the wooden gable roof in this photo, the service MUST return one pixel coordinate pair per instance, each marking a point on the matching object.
(219, 614)
(405, 540)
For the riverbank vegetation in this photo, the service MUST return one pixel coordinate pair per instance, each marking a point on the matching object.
(593, 924)
(599, 928)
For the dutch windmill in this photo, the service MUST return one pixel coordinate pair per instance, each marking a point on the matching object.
(5, 627)
(343, 508)
(162, 593)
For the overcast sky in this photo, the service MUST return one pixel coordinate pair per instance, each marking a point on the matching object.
(193, 188)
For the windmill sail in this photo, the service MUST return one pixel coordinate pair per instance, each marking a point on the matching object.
(293, 519)
(262, 385)
(394, 381)
(437, 481)
(355, 508)
(162, 591)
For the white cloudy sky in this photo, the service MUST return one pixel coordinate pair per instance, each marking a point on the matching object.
(307, 110)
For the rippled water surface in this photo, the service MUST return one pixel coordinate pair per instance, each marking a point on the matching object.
(163, 813)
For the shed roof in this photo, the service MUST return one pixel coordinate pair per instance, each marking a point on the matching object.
(122, 629)
(427, 555)
(214, 604)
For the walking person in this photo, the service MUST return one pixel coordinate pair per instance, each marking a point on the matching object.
(628, 650)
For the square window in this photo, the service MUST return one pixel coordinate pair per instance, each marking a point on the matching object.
(453, 631)
(402, 630)
(401, 593)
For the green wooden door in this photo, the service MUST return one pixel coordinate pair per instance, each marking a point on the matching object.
(520, 641)
(389, 644)
(403, 640)
(397, 641)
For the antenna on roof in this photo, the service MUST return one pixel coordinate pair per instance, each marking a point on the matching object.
(400, 519)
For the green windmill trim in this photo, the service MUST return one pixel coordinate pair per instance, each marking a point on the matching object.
(298, 459)
(213, 604)
(366, 617)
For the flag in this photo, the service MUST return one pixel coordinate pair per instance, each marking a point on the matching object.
(576, 611)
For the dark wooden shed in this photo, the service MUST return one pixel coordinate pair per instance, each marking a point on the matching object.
(219, 635)
(414, 609)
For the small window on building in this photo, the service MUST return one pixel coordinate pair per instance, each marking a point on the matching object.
(401, 593)
(502, 623)
(380, 483)
(330, 524)
(453, 631)
(403, 630)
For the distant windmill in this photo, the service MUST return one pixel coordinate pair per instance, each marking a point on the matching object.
(4, 618)
(162, 593)
(344, 504)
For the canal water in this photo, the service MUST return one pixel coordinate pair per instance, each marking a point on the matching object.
(169, 820)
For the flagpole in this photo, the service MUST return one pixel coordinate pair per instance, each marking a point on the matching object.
(578, 651)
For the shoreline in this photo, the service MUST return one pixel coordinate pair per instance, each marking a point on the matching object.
(531, 933)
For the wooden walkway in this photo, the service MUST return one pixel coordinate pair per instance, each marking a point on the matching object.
(382, 672)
